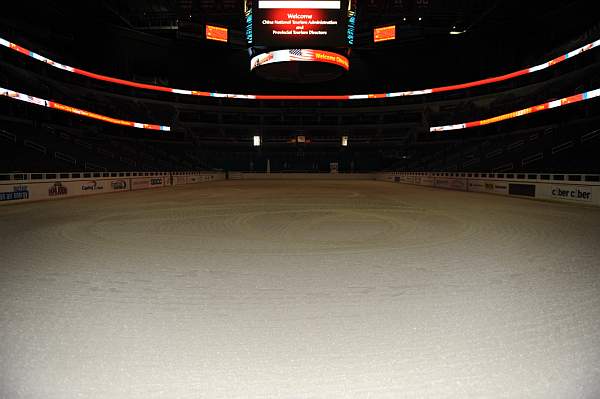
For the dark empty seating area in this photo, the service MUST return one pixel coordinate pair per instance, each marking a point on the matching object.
(569, 147)
(41, 147)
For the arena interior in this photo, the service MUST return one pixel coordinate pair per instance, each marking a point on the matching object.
(299, 199)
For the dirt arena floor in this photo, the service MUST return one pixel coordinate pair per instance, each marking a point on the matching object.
(297, 290)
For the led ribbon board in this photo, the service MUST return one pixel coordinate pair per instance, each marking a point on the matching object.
(482, 82)
(87, 114)
(299, 55)
(526, 111)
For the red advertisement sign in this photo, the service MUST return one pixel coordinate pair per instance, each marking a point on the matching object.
(216, 33)
(384, 34)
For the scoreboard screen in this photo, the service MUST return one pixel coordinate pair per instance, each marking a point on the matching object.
(298, 23)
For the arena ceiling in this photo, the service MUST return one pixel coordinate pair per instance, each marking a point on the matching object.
(163, 41)
(437, 17)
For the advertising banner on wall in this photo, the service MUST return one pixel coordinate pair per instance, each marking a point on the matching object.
(18, 192)
(142, 183)
(563, 192)
(585, 194)
(60, 189)
(40, 190)
(180, 180)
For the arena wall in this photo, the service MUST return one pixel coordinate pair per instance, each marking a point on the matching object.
(18, 188)
(302, 176)
(571, 188)
(574, 189)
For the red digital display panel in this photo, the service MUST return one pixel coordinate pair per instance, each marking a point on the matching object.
(300, 55)
(297, 23)
(78, 111)
(482, 82)
(588, 95)
(384, 33)
(216, 33)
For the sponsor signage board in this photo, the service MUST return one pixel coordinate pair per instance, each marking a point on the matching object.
(18, 193)
(119, 185)
(571, 193)
(52, 189)
(142, 183)
(180, 180)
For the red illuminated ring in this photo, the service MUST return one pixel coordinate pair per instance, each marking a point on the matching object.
(299, 55)
(341, 97)
(81, 112)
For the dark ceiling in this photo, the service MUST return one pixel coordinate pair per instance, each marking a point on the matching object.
(437, 17)
(162, 41)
